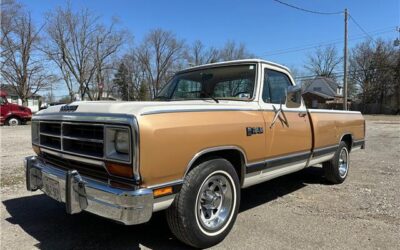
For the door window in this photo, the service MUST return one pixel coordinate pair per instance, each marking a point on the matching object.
(275, 86)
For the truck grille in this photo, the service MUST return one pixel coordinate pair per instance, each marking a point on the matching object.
(81, 146)
(95, 171)
(76, 138)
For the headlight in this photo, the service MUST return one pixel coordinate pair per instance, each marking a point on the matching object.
(118, 143)
(122, 142)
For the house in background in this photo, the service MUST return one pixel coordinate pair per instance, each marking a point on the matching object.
(12, 97)
(323, 93)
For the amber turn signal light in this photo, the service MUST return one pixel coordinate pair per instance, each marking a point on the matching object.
(162, 191)
(119, 169)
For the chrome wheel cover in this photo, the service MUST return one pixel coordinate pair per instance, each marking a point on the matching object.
(343, 162)
(215, 201)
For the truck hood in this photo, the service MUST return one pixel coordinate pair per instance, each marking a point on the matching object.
(148, 107)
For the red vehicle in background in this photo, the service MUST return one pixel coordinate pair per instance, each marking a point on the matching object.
(13, 114)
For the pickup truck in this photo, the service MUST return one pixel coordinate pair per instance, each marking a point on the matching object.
(13, 114)
(211, 131)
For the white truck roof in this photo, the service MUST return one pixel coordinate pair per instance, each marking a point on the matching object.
(254, 60)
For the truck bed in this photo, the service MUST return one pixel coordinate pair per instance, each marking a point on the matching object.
(331, 126)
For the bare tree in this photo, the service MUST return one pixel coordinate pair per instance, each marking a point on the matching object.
(323, 62)
(108, 77)
(9, 9)
(81, 47)
(397, 81)
(372, 70)
(232, 51)
(198, 54)
(21, 67)
(107, 42)
(57, 59)
(70, 46)
(159, 55)
(360, 72)
(137, 75)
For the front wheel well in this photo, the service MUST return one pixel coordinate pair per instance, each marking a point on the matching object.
(234, 156)
(348, 139)
(13, 116)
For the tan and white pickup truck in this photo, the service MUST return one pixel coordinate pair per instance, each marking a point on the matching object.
(212, 130)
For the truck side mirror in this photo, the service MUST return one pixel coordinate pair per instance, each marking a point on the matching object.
(293, 97)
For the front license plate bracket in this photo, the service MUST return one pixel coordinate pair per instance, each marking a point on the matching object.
(52, 188)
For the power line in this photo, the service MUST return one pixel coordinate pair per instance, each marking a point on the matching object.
(309, 11)
(340, 73)
(361, 28)
(316, 45)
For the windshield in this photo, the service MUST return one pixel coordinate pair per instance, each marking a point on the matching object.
(3, 100)
(227, 82)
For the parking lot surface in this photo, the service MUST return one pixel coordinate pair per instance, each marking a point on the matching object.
(299, 211)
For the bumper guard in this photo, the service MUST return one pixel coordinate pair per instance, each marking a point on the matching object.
(79, 193)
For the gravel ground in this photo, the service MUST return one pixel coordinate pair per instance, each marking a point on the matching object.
(297, 211)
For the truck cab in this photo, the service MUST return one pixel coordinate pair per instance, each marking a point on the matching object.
(13, 114)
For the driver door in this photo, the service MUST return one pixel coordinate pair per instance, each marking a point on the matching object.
(289, 138)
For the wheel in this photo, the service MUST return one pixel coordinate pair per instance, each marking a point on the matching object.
(13, 121)
(204, 211)
(336, 170)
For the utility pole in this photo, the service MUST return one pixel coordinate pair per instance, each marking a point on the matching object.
(345, 61)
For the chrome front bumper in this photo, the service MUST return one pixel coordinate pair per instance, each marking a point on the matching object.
(79, 193)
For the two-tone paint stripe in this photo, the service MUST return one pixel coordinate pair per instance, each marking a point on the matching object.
(277, 161)
(154, 112)
(325, 150)
(289, 159)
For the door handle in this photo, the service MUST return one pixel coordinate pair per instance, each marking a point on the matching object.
(302, 113)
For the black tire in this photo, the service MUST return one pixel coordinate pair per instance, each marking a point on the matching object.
(333, 171)
(13, 121)
(183, 214)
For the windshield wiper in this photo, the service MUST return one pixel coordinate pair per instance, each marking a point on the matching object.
(201, 92)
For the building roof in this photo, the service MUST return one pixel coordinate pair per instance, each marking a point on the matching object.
(11, 91)
(330, 90)
(331, 83)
